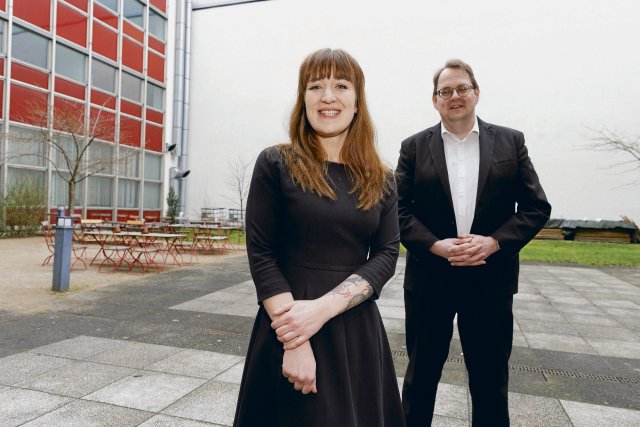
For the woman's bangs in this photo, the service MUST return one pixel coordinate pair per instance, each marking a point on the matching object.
(327, 63)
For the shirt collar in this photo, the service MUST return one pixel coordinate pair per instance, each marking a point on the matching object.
(475, 128)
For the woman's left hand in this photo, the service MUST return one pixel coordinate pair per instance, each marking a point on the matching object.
(298, 321)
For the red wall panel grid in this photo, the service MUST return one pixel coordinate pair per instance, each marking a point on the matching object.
(71, 25)
(133, 32)
(105, 41)
(1, 66)
(1, 98)
(132, 54)
(130, 108)
(156, 44)
(68, 88)
(80, 4)
(102, 99)
(105, 15)
(29, 75)
(104, 124)
(130, 131)
(155, 66)
(37, 12)
(153, 137)
(68, 116)
(155, 116)
(160, 4)
(27, 105)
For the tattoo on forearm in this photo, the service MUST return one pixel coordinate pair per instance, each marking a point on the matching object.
(353, 296)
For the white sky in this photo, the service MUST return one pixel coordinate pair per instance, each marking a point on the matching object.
(549, 68)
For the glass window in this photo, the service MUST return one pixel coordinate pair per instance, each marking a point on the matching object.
(134, 12)
(30, 47)
(128, 193)
(152, 167)
(111, 4)
(26, 147)
(100, 192)
(60, 190)
(152, 195)
(29, 176)
(2, 26)
(155, 96)
(157, 24)
(100, 158)
(131, 87)
(103, 76)
(65, 148)
(129, 163)
(71, 63)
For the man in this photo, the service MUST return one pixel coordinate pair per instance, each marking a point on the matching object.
(468, 200)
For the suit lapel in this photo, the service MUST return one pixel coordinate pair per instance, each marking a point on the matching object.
(487, 138)
(436, 148)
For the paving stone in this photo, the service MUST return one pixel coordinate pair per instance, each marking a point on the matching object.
(18, 367)
(394, 325)
(79, 347)
(76, 379)
(578, 309)
(200, 305)
(607, 333)
(532, 313)
(530, 411)
(558, 328)
(214, 402)
(82, 413)
(591, 319)
(617, 303)
(135, 354)
(247, 288)
(167, 421)
(616, 348)
(574, 300)
(20, 406)
(558, 342)
(451, 402)
(392, 312)
(224, 296)
(587, 415)
(196, 363)
(232, 375)
(439, 421)
(150, 391)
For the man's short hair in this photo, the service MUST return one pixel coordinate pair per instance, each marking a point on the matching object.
(455, 64)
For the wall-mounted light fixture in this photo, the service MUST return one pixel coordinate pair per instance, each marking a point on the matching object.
(171, 148)
(179, 174)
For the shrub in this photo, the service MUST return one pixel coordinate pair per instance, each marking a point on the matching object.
(23, 208)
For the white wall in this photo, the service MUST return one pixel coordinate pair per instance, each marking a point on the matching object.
(548, 68)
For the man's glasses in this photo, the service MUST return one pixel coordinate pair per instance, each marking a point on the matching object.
(461, 90)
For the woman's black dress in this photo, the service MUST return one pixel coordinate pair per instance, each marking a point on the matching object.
(305, 244)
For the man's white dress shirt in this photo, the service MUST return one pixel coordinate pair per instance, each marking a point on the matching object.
(463, 165)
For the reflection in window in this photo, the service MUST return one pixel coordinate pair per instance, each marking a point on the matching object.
(100, 158)
(157, 24)
(129, 164)
(134, 12)
(131, 87)
(28, 177)
(155, 97)
(152, 167)
(60, 191)
(100, 192)
(111, 4)
(30, 47)
(128, 193)
(103, 76)
(71, 63)
(152, 195)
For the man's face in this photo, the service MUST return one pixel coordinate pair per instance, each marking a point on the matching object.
(457, 109)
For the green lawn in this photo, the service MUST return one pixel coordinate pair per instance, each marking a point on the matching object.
(581, 253)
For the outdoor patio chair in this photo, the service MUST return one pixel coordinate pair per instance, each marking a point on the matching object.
(78, 251)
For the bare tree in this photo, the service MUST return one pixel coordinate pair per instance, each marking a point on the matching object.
(65, 134)
(606, 140)
(237, 180)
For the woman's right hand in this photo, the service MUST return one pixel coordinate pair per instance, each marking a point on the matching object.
(299, 367)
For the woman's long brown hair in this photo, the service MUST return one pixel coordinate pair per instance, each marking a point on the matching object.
(304, 156)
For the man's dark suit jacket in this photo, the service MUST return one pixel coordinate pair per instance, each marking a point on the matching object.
(511, 206)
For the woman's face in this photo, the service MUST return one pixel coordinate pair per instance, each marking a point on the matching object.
(330, 105)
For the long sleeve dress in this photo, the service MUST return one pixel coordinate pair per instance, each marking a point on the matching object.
(305, 244)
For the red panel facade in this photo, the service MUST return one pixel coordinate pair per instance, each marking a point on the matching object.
(130, 131)
(27, 105)
(133, 31)
(71, 25)
(69, 88)
(1, 66)
(132, 54)
(104, 123)
(154, 116)
(37, 12)
(29, 75)
(1, 98)
(155, 66)
(68, 116)
(3, 4)
(105, 15)
(80, 4)
(153, 137)
(160, 4)
(156, 44)
(131, 108)
(105, 41)
(103, 99)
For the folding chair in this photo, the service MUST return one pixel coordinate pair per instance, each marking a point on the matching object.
(49, 233)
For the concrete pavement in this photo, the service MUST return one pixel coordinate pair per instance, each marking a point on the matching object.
(169, 349)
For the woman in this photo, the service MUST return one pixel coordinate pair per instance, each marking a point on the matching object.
(322, 239)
